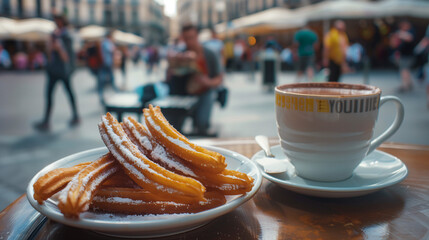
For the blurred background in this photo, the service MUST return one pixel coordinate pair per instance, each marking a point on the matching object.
(384, 43)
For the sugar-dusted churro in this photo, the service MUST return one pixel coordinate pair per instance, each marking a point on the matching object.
(227, 181)
(143, 171)
(138, 201)
(150, 169)
(78, 194)
(55, 180)
(178, 144)
(157, 153)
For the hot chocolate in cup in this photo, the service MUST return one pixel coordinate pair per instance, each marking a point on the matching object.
(326, 129)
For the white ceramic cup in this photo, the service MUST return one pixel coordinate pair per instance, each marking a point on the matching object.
(326, 129)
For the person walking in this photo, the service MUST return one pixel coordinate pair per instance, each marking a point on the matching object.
(404, 54)
(422, 49)
(305, 39)
(105, 73)
(123, 57)
(335, 45)
(269, 65)
(59, 69)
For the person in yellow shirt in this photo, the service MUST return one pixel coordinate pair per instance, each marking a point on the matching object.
(335, 45)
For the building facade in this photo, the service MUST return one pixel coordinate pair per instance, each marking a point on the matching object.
(142, 17)
(207, 13)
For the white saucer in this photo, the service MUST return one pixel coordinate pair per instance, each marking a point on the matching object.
(378, 170)
(144, 226)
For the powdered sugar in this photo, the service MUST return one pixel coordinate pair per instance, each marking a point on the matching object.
(89, 182)
(129, 218)
(63, 194)
(144, 141)
(129, 201)
(229, 187)
(159, 153)
(140, 165)
(175, 141)
(180, 143)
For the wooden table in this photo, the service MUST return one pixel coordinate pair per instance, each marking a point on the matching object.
(397, 212)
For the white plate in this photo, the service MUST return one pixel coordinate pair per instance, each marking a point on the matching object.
(378, 170)
(144, 226)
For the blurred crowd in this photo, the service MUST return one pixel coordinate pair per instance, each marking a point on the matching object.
(32, 59)
(311, 52)
(197, 62)
(318, 55)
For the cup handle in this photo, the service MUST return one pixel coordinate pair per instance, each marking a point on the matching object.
(393, 127)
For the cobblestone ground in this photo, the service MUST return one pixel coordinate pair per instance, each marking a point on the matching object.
(250, 111)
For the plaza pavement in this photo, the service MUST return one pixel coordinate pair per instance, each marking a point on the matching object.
(249, 111)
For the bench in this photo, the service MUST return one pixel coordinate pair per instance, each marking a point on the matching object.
(175, 108)
(121, 103)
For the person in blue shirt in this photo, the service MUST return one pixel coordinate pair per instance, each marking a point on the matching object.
(5, 61)
(215, 44)
(105, 74)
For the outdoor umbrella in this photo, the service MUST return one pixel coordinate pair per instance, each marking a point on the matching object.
(92, 32)
(125, 38)
(263, 22)
(6, 27)
(34, 29)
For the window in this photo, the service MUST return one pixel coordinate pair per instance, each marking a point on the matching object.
(108, 17)
(91, 13)
(5, 7)
(210, 17)
(20, 8)
(76, 14)
(38, 8)
(135, 16)
(134, 3)
(121, 16)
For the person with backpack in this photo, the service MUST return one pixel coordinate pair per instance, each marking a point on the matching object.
(59, 69)
(93, 57)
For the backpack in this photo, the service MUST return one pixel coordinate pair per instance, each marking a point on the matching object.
(94, 58)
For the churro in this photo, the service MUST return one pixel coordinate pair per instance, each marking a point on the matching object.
(150, 147)
(178, 144)
(55, 180)
(120, 179)
(78, 194)
(229, 182)
(138, 201)
(143, 171)
(150, 169)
